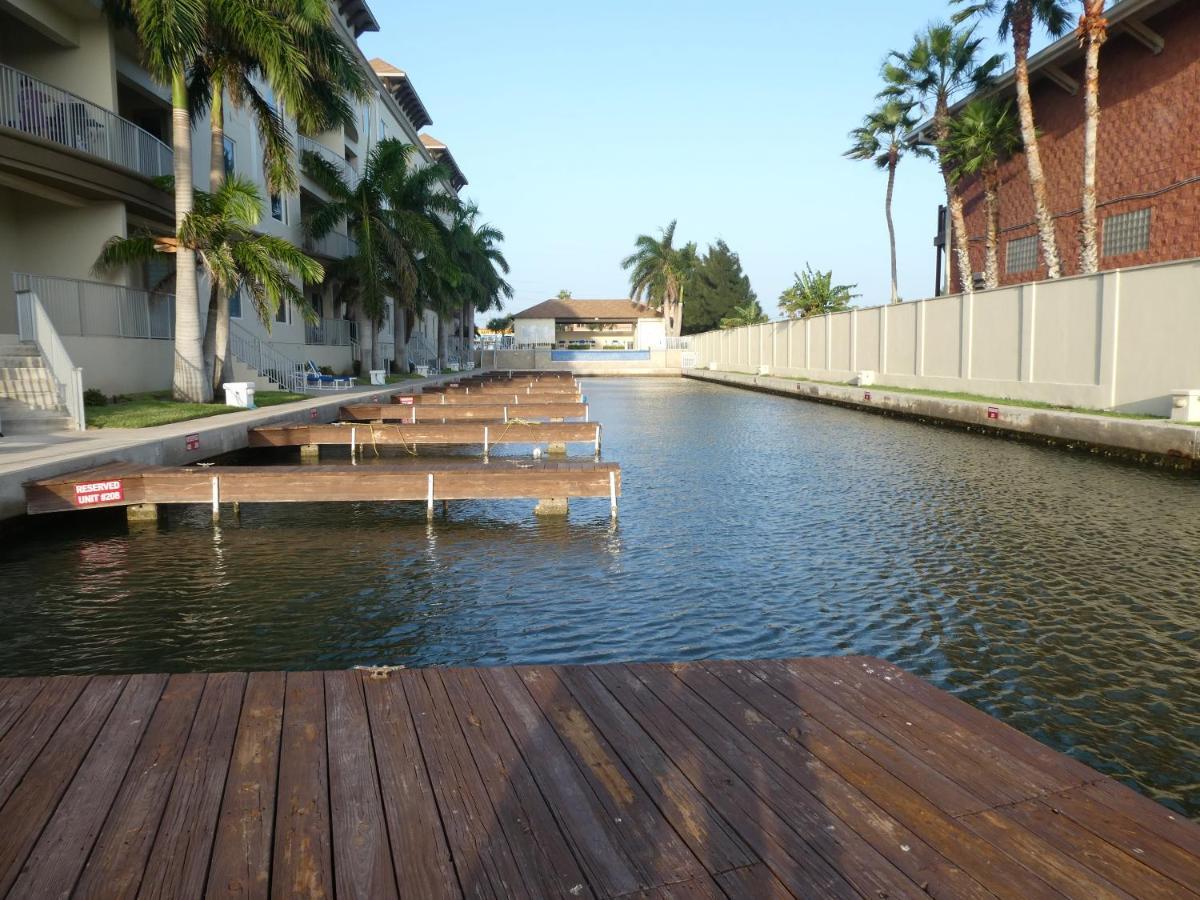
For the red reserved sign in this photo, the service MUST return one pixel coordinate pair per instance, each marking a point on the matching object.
(312, 413)
(993, 412)
(96, 493)
(192, 442)
(406, 401)
(866, 395)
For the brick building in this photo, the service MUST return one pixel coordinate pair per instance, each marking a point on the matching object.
(1148, 158)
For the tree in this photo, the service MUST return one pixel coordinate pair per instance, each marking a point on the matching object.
(943, 61)
(814, 294)
(886, 135)
(475, 253)
(390, 242)
(717, 286)
(1017, 18)
(220, 231)
(983, 135)
(660, 273)
(746, 314)
(1093, 32)
(500, 324)
(564, 294)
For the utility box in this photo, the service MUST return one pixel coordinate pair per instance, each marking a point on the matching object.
(864, 378)
(1185, 405)
(764, 370)
(378, 376)
(239, 393)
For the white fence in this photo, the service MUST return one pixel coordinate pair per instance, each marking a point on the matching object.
(34, 325)
(34, 107)
(94, 308)
(1119, 340)
(328, 332)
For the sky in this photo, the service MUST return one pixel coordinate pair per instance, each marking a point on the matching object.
(580, 126)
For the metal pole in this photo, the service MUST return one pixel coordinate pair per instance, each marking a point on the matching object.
(352, 434)
(429, 500)
(485, 440)
(216, 498)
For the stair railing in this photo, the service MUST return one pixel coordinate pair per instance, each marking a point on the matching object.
(34, 326)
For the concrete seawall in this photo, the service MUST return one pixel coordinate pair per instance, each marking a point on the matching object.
(1147, 441)
(177, 444)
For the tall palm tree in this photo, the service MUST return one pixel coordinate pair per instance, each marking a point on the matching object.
(220, 232)
(984, 134)
(1017, 17)
(886, 135)
(943, 61)
(383, 264)
(660, 272)
(476, 252)
(1093, 32)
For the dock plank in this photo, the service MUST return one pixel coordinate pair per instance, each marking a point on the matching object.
(776, 779)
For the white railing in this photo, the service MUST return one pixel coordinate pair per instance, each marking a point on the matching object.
(331, 246)
(263, 358)
(329, 333)
(34, 107)
(680, 343)
(303, 143)
(97, 309)
(35, 326)
(420, 353)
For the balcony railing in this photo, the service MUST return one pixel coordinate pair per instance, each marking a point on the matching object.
(328, 332)
(303, 142)
(36, 108)
(94, 308)
(331, 246)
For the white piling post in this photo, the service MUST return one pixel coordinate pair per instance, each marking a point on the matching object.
(597, 438)
(586, 413)
(216, 498)
(352, 434)
(506, 414)
(485, 440)
(517, 399)
(612, 492)
(443, 399)
(429, 500)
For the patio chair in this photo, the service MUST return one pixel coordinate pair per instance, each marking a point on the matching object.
(316, 380)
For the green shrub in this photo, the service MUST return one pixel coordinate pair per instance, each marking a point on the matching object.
(94, 397)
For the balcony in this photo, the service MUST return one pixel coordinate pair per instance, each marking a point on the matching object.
(347, 172)
(94, 308)
(329, 333)
(332, 246)
(33, 107)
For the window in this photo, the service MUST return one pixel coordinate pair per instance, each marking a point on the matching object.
(281, 314)
(228, 151)
(1127, 232)
(278, 208)
(1020, 255)
(235, 304)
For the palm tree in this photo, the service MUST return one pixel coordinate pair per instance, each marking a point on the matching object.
(886, 135)
(814, 294)
(479, 268)
(660, 274)
(748, 314)
(1018, 17)
(564, 294)
(1093, 31)
(983, 135)
(942, 61)
(385, 261)
(220, 232)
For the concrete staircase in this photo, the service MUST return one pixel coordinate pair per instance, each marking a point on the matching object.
(29, 396)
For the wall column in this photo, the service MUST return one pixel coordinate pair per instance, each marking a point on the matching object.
(1110, 310)
(966, 327)
(854, 340)
(883, 328)
(919, 361)
(1028, 312)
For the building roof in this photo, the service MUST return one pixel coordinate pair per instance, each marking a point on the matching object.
(589, 311)
(359, 15)
(1124, 17)
(399, 85)
(441, 153)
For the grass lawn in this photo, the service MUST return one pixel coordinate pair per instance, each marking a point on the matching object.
(365, 380)
(157, 408)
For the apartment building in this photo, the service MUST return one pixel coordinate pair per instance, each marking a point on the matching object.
(84, 133)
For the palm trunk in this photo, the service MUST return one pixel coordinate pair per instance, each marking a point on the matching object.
(189, 381)
(1094, 32)
(216, 331)
(958, 222)
(1022, 28)
(465, 333)
(891, 184)
(991, 266)
(362, 324)
(400, 336)
(443, 340)
(376, 346)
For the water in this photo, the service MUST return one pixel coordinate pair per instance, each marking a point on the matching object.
(1057, 591)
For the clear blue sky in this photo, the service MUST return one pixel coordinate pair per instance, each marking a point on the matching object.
(581, 125)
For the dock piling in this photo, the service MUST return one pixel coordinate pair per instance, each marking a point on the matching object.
(429, 500)
(612, 493)
(216, 498)
(551, 506)
(140, 513)
(310, 453)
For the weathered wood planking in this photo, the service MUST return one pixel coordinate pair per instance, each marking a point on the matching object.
(501, 479)
(771, 779)
(452, 433)
(412, 414)
(488, 398)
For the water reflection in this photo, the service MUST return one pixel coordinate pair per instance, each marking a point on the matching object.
(1057, 591)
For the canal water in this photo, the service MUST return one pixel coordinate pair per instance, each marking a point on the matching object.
(1058, 591)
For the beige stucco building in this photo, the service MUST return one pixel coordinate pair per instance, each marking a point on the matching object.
(84, 133)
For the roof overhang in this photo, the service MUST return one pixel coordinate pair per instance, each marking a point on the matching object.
(1126, 17)
(441, 154)
(359, 15)
(401, 88)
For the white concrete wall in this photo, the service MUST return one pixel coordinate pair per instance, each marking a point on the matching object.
(650, 334)
(1120, 340)
(533, 331)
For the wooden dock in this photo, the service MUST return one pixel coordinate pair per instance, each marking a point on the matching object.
(412, 413)
(802, 778)
(367, 436)
(124, 484)
(488, 398)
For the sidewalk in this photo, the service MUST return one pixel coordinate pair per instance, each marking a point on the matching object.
(29, 457)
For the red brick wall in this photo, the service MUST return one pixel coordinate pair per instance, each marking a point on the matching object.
(1149, 140)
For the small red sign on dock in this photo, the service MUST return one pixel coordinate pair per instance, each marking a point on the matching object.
(866, 395)
(312, 413)
(96, 493)
(993, 412)
(192, 442)
(406, 401)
